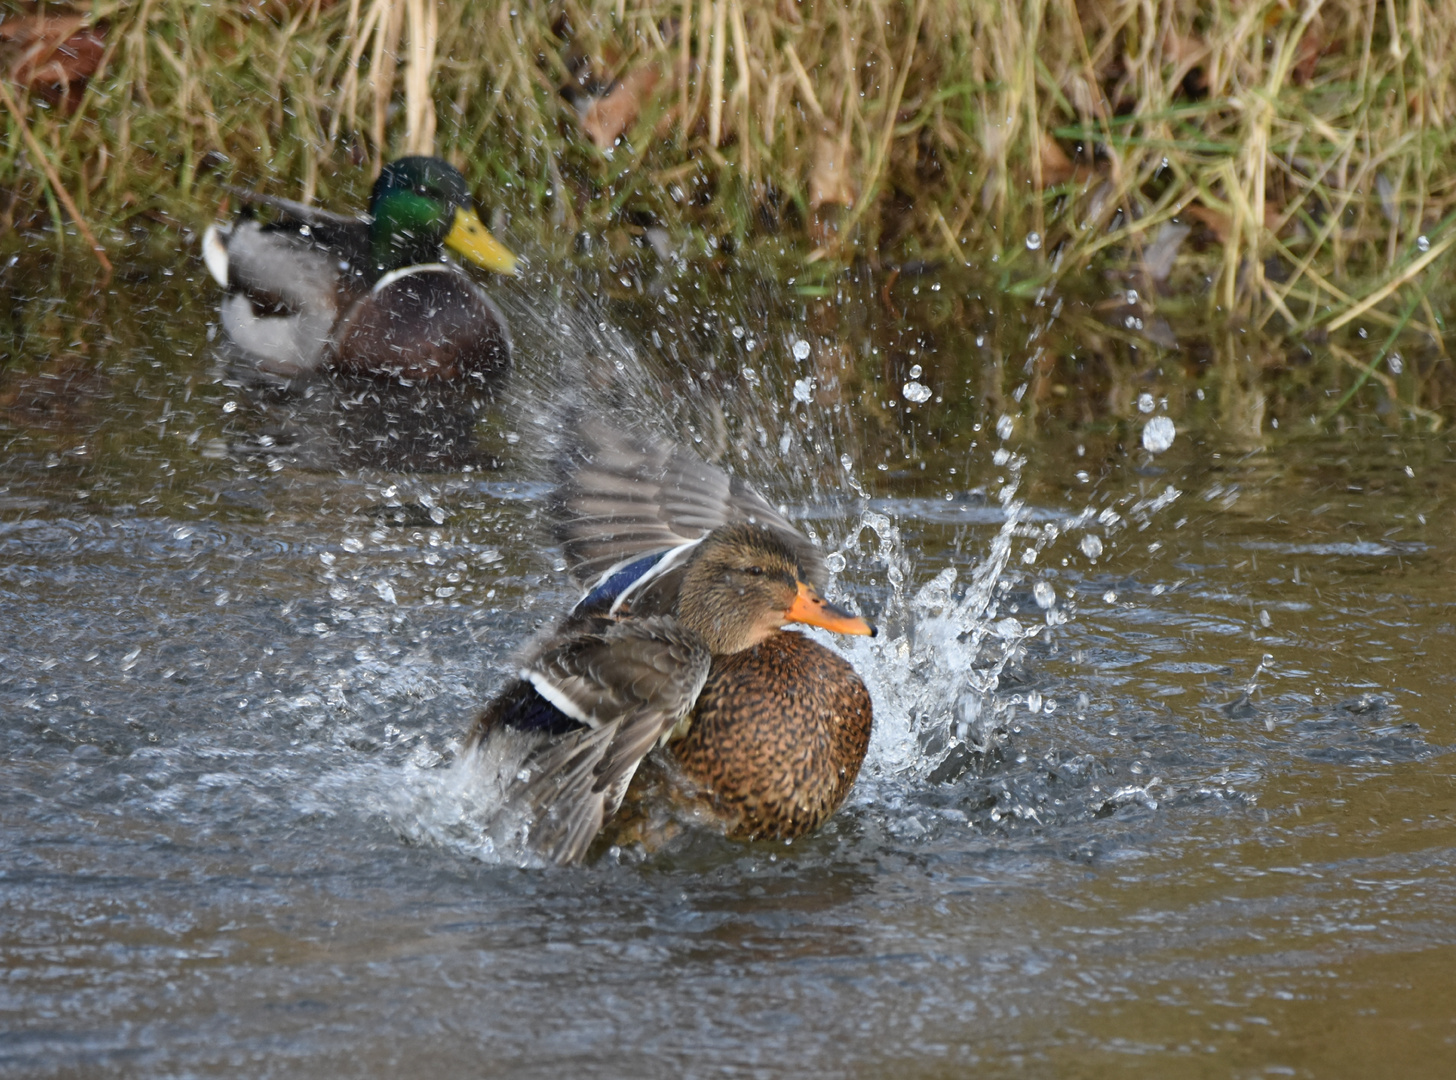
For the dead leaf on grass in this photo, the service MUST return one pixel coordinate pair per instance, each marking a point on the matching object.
(53, 54)
(1307, 54)
(1215, 221)
(1221, 224)
(829, 179)
(1056, 166)
(609, 116)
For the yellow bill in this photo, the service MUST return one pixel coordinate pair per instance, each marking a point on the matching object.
(473, 240)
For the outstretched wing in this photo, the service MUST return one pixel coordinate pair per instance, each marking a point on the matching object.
(623, 496)
(627, 683)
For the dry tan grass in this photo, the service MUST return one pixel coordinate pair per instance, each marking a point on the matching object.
(1307, 148)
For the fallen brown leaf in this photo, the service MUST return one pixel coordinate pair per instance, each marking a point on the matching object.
(1188, 54)
(609, 116)
(1215, 221)
(829, 180)
(1307, 54)
(1221, 225)
(53, 54)
(1056, 166)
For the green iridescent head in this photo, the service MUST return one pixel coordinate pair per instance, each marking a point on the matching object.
(420, 204)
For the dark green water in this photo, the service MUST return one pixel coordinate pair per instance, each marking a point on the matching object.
(1182, 809)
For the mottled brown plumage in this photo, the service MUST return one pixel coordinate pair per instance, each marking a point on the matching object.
(681, 648)
(777, 737)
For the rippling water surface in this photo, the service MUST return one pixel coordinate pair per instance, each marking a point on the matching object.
(1161, 783)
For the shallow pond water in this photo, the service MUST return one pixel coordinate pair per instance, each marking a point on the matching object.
(1161, 783)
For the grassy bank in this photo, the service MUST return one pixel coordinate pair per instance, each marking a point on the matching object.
(1292, 166)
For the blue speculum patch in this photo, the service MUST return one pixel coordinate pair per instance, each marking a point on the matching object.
(600, 599)
(531, 712)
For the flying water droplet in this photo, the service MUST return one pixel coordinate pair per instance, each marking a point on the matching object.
(1033, 241)
(1158, 434)
(1033, 702)
(882, 525)
(916, 392)
(1045, 595)
(915, 372)
(804, 389)
(801, 350)
(1008, 629)
(1004, 426)
(1423, 243)
(1091, 545)
(1146, 404)
(834, 562)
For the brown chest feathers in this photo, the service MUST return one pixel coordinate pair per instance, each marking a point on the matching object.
(777, 737)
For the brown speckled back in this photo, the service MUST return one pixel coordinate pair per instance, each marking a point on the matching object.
(777, 737)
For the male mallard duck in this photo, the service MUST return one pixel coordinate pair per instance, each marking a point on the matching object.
(690, 578)
(365, 295)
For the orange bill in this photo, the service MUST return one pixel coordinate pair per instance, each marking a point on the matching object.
(811, 608)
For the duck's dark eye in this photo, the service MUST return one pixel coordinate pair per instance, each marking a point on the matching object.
(756, 571)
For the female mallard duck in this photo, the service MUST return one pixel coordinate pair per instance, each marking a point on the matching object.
(369, 296)
(691, 577)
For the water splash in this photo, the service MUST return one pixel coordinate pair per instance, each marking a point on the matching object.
(934, 672)
(457, 808)
(949, 634)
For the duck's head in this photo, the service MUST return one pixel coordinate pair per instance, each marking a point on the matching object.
(422, 203)
(744, 583)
